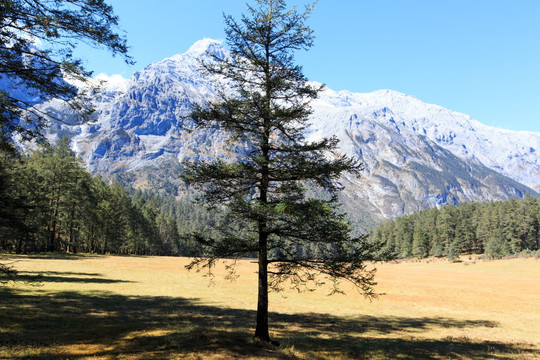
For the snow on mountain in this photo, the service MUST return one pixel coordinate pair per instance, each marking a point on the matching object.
(114, 83)
(416, 155)
(145, 119)
(511, 153)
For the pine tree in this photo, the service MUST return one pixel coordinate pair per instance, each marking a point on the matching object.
(168, 233)
(421, 236)
(425, 235)
(484, 226)
(526, 227)
(13, 201)
(404, 233)
(509, 221)
(465, 239)
(60, 171)
(445, 229)
(112, 217)
(496, 246)
(268, 212)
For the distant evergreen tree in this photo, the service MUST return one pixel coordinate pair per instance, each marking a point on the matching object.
(405, 235)
(509, 222)
(420, 246)
(446, 229)
(496, 246)
(423, 233)
(388, 238)
(484, 226)
(168, 233)
(465, 238)
(527, 226)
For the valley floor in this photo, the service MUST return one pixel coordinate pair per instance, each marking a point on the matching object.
(111, 307)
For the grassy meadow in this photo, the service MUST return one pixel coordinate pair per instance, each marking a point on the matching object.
(110, 307)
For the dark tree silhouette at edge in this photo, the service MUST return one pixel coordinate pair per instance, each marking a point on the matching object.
(37, 39)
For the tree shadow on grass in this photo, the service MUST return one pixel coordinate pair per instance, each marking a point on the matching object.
(64, 277)
(72, 325)
(54, 256)
(63, 273)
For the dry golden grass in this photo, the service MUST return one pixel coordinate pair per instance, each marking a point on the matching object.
(152, 308)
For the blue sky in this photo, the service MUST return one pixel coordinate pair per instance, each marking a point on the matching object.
(479, 57)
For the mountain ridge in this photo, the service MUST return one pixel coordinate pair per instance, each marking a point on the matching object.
(407, 146)
(467, 138)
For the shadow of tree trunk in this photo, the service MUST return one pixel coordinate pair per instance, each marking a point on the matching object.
(73, 325)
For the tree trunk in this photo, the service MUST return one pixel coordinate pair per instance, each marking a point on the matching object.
(261, 330)
(19, 244)
(52, 235)
(53, 222)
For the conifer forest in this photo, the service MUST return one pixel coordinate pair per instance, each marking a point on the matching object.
(53, 204)
(496, 229)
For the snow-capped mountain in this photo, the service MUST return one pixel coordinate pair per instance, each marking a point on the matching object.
(416, 155)
(512, 153)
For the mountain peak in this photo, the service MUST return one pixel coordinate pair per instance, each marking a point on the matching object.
(207, 46)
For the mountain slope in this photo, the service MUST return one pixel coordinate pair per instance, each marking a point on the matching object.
(512, 153)
(416, 155)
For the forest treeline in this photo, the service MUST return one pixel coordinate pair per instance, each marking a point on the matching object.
(51, 203)
(496, 229)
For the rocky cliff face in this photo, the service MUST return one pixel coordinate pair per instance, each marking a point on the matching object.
(416, 155)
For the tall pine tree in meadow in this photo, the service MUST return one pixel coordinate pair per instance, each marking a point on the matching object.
(268, 211)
